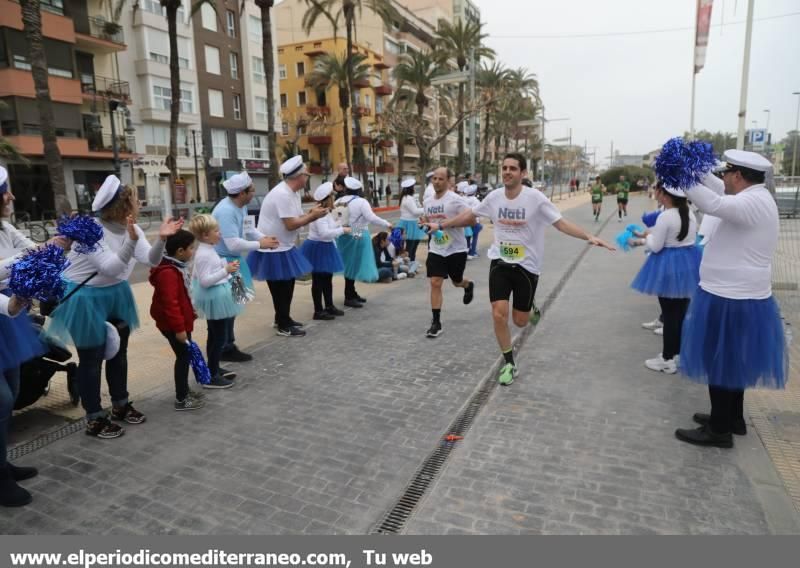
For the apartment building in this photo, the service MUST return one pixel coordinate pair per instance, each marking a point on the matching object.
(82, 45)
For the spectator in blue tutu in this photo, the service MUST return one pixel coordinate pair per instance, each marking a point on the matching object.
(410, 212)
(733, 337)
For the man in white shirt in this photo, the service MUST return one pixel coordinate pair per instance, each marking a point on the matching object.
(447, 250)
(520, 215)
(733, 337)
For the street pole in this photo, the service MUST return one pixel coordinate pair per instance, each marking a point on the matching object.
(196, 170)
(472, 141)
(745, 74)
(112, 108)
(611, 156)
(796, 135)
(694, 72)
(543, 121)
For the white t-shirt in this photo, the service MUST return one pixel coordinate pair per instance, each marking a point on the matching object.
(519, 226)
(437, 210)
(429, 192)
(279, 204)
(664, 233)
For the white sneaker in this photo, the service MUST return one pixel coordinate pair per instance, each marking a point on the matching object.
(658, 364)
(471, 257)
(659, 331)
(402, 276)
(653, 324)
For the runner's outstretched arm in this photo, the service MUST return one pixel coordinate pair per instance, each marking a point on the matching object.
(464, 219)
(573, 230)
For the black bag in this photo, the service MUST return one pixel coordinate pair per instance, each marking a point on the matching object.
(48, 307)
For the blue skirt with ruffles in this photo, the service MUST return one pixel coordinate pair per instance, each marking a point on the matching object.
(285, 265)
(673, 272)
(323, 256)
(734, 344)
(411, 230)
(358, 257)
(215, 302)
(81, 320)
(19, 341)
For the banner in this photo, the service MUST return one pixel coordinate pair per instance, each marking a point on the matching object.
(701, 33)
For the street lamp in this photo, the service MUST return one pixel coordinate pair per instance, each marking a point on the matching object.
(113, 106)
(796, 134)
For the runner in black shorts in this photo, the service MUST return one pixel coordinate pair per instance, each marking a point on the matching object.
(520, 215)
(623, 189)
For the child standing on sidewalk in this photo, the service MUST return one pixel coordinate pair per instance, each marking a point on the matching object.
(212, 295)
(173, 313)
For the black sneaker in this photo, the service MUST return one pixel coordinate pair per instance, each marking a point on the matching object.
(218, 383)
(353, 303)
(128, 414)
(104, 429)
(21, 472)
(11, 494)
(435, 330)
(324, 316)
(469, 293)
(233, 355)
(334, 311)
(704, 436)
(739, 428)
(292, 323)
(197, 395)
(226, 374)
(189, 403)
(291, 332)
(360, 299)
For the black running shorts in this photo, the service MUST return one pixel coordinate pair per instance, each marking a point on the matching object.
(506, 279)
(623, 201)
(451, 266)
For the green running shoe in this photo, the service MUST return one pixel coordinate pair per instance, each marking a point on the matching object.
(507, 374)
(535, 315)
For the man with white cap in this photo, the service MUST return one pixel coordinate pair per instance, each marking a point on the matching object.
(282, 215)
(237, 240)
(410, 212)
(472, 201)
(429, 191)
(356, 247)
(733, 337)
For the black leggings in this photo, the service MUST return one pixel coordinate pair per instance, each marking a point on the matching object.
(673, 311)
(181, 370)
(411, 247)
(282, 293)
(322, 286)
(727, 409)
(350, 289)
(217, 339)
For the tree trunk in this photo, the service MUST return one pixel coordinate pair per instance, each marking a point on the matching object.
(346, 132)
(461, 158)
(32, 24)
(269, 76)
(175, 88)
(358, 155)
(485, 164)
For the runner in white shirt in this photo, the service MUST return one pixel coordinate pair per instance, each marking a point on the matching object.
(520, 215)
(447, 251)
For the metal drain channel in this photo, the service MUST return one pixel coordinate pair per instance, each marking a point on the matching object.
(46, 439)
(395, 519)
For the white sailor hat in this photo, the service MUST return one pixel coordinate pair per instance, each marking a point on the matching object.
(429, 175)
(352, 183)
(749, 160)
(675, 191)
(3, 180)
(471, 190)
(237, 183)
(323, 191)
(408, 182)
(292, 166)
(107, 193)
(462, 186)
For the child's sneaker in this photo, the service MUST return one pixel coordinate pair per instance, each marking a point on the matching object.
(103, 428)
(189, 403)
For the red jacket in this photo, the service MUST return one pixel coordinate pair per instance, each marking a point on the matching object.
(172, 307)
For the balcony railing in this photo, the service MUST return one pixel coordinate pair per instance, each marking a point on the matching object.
(383, 90)
(104, 29)
(318, 110)
(102, 142)
(105, 87)
(363, 111)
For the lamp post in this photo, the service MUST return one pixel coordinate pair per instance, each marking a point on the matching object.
(796, 135)
(766, 110)
(196, 169)
(113, 105)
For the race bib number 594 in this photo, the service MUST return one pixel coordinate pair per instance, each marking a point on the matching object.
(512, 252)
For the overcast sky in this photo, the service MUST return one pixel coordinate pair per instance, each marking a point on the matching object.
(636, 89)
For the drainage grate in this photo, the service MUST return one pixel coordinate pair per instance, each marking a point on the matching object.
(394, 521)
(46, 439)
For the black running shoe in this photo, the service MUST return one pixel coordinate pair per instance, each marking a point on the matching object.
(291, 332)
(324, 316)
(353, 303)
(233, 355)
(334, 311)
(226, 374)
(469, 293)
(103, 428)
(435, 330)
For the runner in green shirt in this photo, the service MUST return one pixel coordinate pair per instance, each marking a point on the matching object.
(623, 188)
(597, 189)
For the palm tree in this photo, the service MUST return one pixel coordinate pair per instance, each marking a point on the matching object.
(462, 41)
(269, 74)
(414, 74)
(491, 80)
(332, 71)
(32, 25)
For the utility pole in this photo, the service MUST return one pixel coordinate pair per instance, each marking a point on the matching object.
(196, 170)
(113, 105)
(745, 75)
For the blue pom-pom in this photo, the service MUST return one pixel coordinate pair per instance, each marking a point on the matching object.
(82, 229)
(201, 372)
(396, 238)
(680, 165)
(649, 219)
(623, 239)
(37, 275)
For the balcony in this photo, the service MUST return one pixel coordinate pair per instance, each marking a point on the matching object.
(320, 139)
(380, 65)
(362, 140)
(93, 86)
(363, 111)
(317, 51)
(361, 83)
(383, 90)
(31, 145)
(99, 35)
(386, 168)
(386, 143)
(316, 169)
(318, 110)
(102, 142)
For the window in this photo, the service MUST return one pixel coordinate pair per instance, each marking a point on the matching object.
(154, 7)
(358, 98)
(219, 143)
(251, 146)
(234, 65)
(379, 105)
(254, 26)
(21, 62)
(208, 17)
(392, 47)
(230, 19)
(367, 101)
(215, 105)
(55, 6)
(301, 98)
(212, 59)
(301, 69)
(162, 99)
(237, 107)
(156, 139)
(157, 45)
(261, 109)
(258, 70)
(284, 100)
(285, 128)
(282, 71)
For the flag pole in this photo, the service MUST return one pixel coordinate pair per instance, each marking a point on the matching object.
(745, 75)
(694, 70)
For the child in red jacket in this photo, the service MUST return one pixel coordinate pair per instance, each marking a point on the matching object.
(173, 312)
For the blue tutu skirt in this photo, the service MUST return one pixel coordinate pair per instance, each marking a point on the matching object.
(358, 258)
(215, 302)
(81, 320)
(672, 273)
(734, 344)
(286, 265)
(411, 230)
(468, 232)
(323, 256)
(244, 269)
(19, 341)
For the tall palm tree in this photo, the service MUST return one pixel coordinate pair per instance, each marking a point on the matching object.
(269, 74)
(462, 42)
(332, 71)
(32, 25)
(415, 73)
(335, 11)
(491, 80)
